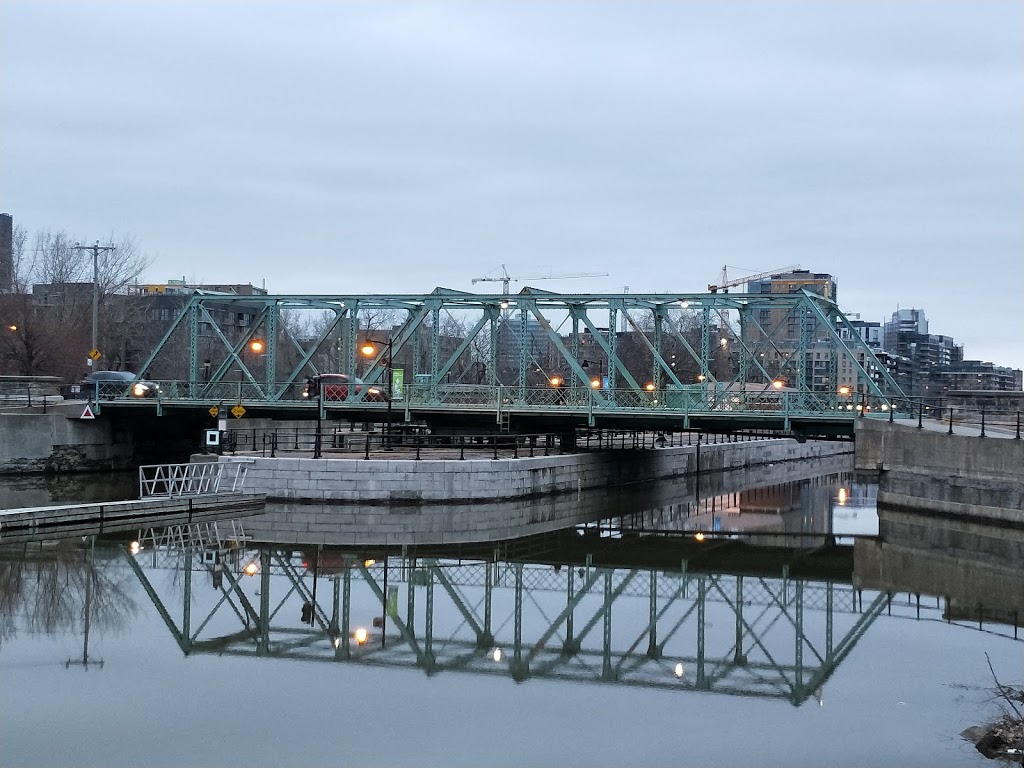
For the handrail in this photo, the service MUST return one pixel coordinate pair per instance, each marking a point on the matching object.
(196, 479)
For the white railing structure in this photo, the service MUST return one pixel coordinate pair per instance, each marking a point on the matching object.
(210, 535)
(198, 479)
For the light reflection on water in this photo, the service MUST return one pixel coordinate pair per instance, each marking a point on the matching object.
(872, 683)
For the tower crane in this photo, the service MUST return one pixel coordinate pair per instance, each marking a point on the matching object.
(724, 283)
(505, 279)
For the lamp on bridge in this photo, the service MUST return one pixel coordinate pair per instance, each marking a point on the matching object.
(369, 350)
(596, 382)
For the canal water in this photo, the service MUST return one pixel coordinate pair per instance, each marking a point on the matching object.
(190, 646)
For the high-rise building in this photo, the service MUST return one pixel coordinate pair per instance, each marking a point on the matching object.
(777, 332)
(6, 253)
(906, 336)
(904, 321)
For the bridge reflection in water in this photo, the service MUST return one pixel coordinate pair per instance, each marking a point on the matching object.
(673, 629)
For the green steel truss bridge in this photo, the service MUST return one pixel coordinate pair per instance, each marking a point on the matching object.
(669, 629)
(672, 361)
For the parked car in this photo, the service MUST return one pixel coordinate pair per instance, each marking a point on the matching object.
(335, 388)
(108, 385)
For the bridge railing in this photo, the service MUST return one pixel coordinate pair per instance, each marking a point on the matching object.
(690, 399)
(410, 441)
(197, 479)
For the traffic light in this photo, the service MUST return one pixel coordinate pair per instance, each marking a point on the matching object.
(307, 613)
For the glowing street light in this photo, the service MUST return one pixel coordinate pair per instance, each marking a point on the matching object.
(844, 390)
(649, 386)
(360, 636)
(251, 569)
(555, 381)
(778, 384)
(257, 346)
(369, 349)
(699, 536)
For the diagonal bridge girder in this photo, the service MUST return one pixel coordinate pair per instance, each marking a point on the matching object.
(670, 346)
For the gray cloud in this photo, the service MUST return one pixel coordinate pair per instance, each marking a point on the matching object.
(361, 147)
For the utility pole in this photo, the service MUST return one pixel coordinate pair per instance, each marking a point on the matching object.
(95, 248)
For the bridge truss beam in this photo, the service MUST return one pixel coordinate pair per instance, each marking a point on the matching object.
(515, 635)
(682, 352)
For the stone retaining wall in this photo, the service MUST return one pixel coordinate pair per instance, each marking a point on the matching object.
(59, 441)
(944, 474)
(662, 503)
(398, 482)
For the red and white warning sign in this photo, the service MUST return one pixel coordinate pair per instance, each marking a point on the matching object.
(87, 413)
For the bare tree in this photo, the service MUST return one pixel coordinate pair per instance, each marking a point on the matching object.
(49, 313)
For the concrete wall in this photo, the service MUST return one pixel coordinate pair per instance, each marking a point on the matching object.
(942, 473)
(661, 503)
(60, 442)
(428, 481)
(881, 445)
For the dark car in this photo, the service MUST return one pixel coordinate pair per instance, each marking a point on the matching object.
(334, 387)
(108, 385)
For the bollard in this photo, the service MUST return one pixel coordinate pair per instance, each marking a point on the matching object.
(982, 423)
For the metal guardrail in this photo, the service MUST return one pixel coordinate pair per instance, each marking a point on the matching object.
(198, 479)
(692, 400)
(416, 443)
(501, 399)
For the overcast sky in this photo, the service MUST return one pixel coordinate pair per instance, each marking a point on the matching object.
(336, 147)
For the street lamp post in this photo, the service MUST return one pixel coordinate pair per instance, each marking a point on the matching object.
(95, 248)
(369, 349)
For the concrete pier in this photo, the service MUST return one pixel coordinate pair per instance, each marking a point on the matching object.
(933, 471)
(111, 516)
(357, 501)
(405, 481)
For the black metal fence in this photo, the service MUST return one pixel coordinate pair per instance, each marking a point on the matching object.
(417, 443)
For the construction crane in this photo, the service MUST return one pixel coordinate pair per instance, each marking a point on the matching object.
(724, 283)
(505, 279)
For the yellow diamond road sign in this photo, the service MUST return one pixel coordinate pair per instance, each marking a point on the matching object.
(214, 411)
(238, 411)
(94, 354)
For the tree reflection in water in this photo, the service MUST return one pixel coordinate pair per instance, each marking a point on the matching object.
(59, 587)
